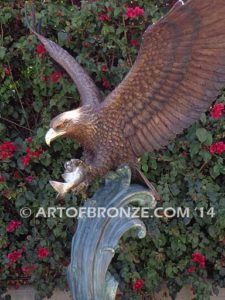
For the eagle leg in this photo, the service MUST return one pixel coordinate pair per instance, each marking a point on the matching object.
(81, 189)
(149, 185)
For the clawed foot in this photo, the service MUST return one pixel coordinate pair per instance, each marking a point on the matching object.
(72, 164)
(81, 189)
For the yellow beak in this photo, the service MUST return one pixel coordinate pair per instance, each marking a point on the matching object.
(52, 135)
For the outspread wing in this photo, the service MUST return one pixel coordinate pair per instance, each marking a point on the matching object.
(179, 71)
(88, 91)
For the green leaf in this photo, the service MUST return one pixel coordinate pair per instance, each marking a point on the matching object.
(51, 222)
(62, 36)
(145, 168)
(201, 134)
(2, 52)
(46, 159)
(194, 148)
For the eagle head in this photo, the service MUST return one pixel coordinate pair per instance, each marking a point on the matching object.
(64, 125)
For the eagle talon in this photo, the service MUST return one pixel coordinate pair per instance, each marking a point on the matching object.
(72, 164)
(74, 176)
(70, 169)
(81, 188)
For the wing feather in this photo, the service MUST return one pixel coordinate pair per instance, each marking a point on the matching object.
(89, 93)
(179, 71)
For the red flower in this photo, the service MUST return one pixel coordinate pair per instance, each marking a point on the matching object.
(29, 140)
(36, 154)
(134, 12)
(131, 13)
(199, 258)
(109, 9)
(133, 43)
(16, 174)
(44, 78)
(2, 179)
(8, 70)
(25, 160)
(31, 154)
(40, 50)
(56, 76)
(7, 149)
(42, 252)
(139, 283)
(103, 18)
(139, 11)
(217, 148)
(28, 151)
(14, 256)
(29, 179)
(41, 150)
(13, 225)
(191, 269)
(105, 83)
(86, 44)
(5, 155)
(9, 146)
(104, 68)
(28, 269)
(184, 154)
(217, 110)
(24, 248)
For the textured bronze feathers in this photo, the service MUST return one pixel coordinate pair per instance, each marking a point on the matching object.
(179, 71)
(89, 93)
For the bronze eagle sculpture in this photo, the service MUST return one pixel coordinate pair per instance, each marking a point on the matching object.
(179, 71)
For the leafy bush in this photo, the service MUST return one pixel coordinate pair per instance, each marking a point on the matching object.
(188, 173)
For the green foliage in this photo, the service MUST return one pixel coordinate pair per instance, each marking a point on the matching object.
(185, 174)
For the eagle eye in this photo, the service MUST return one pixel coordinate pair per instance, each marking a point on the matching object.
(59, 126)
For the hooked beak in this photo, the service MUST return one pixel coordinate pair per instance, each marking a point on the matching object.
(52, 135)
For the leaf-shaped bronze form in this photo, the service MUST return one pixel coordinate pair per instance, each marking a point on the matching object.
(97, 238)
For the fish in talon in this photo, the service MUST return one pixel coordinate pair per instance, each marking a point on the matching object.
(72, 180)
(62, 188)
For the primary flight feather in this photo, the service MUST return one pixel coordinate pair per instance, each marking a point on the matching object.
(179, 71)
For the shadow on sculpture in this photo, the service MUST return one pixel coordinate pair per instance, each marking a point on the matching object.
(97, 238)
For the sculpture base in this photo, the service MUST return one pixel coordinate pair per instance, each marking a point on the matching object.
(107, 216)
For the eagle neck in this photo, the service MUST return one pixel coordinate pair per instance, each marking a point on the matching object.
(86, 128)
